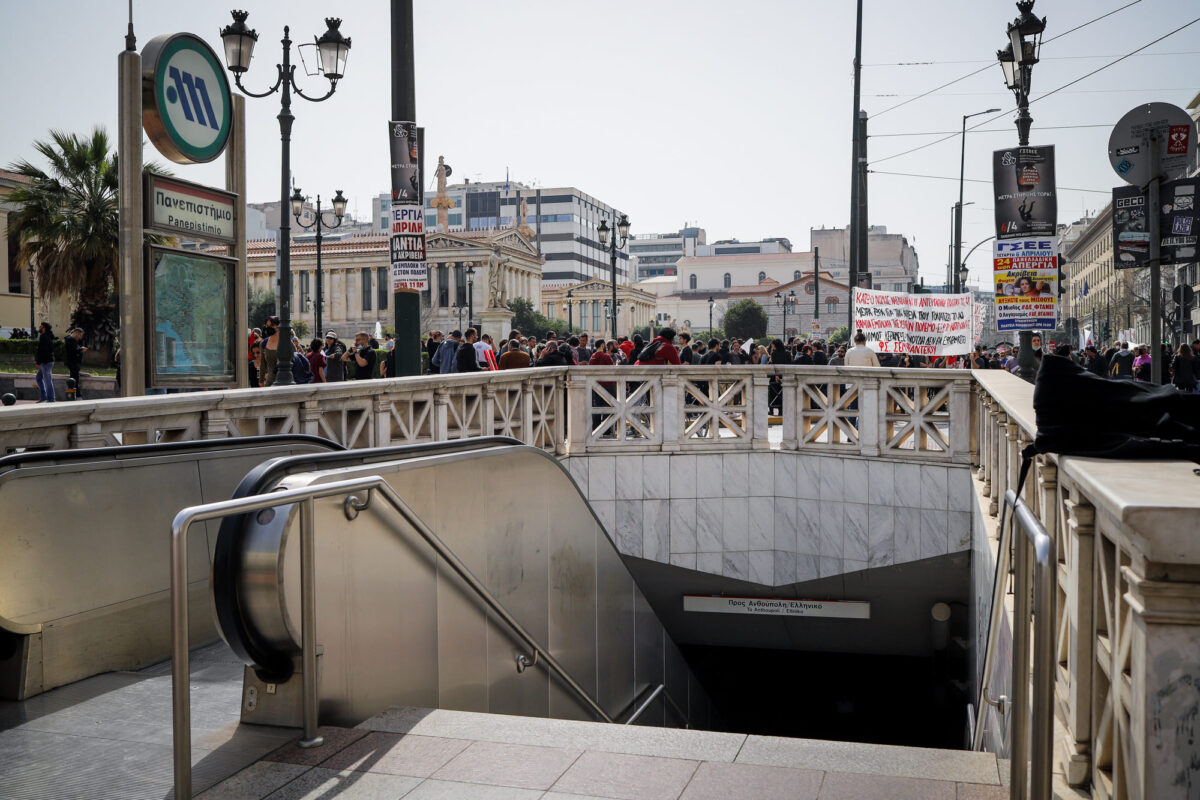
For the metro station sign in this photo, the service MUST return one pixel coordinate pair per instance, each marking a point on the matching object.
(186, 106)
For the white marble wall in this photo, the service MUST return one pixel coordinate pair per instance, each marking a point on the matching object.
(777, 518)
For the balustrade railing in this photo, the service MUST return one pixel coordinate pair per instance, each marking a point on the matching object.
(1125, 542)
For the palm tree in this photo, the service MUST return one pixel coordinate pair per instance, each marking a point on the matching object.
(67, 225)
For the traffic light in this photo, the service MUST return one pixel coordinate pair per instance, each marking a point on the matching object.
(1062, 275)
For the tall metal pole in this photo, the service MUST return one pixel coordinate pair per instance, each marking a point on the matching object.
(958, 207)
(854, 173)
(863, 267)
(235, 181)
(32, 286)
(1152, 209)
(613, 251)
(319, 333)
(407, 302)
(817, 284)
(129, 190)
(283, 369)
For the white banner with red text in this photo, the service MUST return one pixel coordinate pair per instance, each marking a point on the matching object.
(921, 324)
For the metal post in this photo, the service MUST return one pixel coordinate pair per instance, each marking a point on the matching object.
(864, 249)
(1045, 669)
(283, 369)
(962, 165)
(854, 178)
(1152, 212)
(308, 622)
(320, 224)
(32, 316)
(407, 302)
(235, 181)
(817, 285)
(181, 707)
(613, 251)
(131, 273)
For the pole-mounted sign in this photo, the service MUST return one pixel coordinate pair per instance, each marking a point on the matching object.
(1172, 133)
(186, 107)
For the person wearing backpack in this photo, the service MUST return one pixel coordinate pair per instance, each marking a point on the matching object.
(660, 351)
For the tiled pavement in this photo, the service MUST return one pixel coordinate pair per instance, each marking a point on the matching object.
(418, 754)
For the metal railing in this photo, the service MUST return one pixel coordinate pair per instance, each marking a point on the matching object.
(995, 625)
(649, 695)
(307, 497)
(1031, 741)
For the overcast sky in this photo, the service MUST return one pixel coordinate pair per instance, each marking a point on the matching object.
(731, 116)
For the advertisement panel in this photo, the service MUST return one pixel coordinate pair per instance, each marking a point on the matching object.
(1026, 199)
(1025, 272)
(409, 269)
(922, 324)
(1177, 223)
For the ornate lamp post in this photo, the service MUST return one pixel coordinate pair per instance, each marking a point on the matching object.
(784, 301)
(458, 311)
(332, 49)
(569, 307)
(339, 211)
(711, 305)
(622, 233)
(1017, 60)
(470, 295)
(32, 316)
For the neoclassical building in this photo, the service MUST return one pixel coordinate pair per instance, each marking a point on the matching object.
(586, 306)
(468, 271)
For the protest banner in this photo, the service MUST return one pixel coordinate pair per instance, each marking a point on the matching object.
(1025, 272)
(921, 324)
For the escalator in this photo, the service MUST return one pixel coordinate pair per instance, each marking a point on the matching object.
(398, 624)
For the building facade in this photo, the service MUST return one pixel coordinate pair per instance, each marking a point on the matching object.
(586, 306)
(1102, 298)
(891, 259)
(358, 290)
(562, 222)
(721, 272)
(657, 253)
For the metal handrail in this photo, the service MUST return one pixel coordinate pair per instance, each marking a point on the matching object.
(1033, 736)
(999, 583)
(306, 497)
(651, 694)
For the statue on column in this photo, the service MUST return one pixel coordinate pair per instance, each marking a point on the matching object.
(442, 201)
(497, 267)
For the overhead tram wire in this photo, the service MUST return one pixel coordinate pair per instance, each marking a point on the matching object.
(992, 63)
(1040, 97)
(991, 130)
(977, 180)
(1047, 58)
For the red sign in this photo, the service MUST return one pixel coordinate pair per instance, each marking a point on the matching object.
(1177, 139)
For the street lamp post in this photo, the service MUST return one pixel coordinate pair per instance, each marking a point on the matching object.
(570, 308)
(711, 304)
(783, 301)
(622, 233)
(332, 49)
(470, 295)
(1017, 60)
(962, 163)
(458, 311)
(32, 316)
(339, 211)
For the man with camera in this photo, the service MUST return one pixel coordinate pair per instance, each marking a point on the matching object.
(362, 356)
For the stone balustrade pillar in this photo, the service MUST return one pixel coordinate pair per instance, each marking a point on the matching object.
(214, 424)
(871, 417)
(88, 434)
(668, 414)
(526, 432)
(959, 435)
(441, 414)
(1075, 686)
(487, 411)
(578, 423)
(760, 384)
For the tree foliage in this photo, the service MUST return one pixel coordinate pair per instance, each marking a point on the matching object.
(260, 306)
(745, 319)
(67, 225)
(840, 336)
(529, 321)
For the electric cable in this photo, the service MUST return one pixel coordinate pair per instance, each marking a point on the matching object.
(977, 180)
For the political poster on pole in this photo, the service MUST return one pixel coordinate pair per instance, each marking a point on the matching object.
(409, 268)
(1177, 224)
(1025, 272)
(921, 324)
(1026, 197)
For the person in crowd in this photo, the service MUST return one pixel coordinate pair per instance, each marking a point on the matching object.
(432, 343)
(979, 359)
(838, 359)
(614, 352)
(466, 358)
(555, 356)
(444, 359)
(860, 355)
(699, 351)
(300, 369)
(819, 357)
(1095, 362)
(778, 356)
(255, 355)
(686, 354)
(601, 356)
(1121, 363)
(514, 357)
(362, 358)
(387, 367)
(635, 348)
(805, 356)
(270, 351)
(316, 361)
(1184, 372)
(74, 349)
(1141, 365)
(44, 358)
(485, 353)
(660, 351)
(335, 370)
(583, 350)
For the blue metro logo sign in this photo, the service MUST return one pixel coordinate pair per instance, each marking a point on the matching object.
(186, 107)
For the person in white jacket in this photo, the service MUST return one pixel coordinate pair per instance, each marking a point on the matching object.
(860, 355)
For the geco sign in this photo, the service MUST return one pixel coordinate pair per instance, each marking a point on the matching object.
(186, 107)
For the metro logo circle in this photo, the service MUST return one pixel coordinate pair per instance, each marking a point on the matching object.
(186, 106)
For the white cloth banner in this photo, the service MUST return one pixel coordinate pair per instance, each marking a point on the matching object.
(922, 324)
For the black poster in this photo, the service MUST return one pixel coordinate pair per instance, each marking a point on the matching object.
(406, 183)
(1026, 200)
(1176, 221)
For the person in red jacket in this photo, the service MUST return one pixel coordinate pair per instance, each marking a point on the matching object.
(661, 351)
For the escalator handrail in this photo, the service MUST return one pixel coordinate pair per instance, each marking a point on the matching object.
(183, 522)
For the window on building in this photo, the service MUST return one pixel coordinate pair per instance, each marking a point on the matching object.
(455, 219)
(762, 276)
(460, 285)
(596, 324)
(382, 288)
(304, 298)
(365, 278)
(691, 281)
(796, 275)
(831, 304)
(727, 281)
(443, 280)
